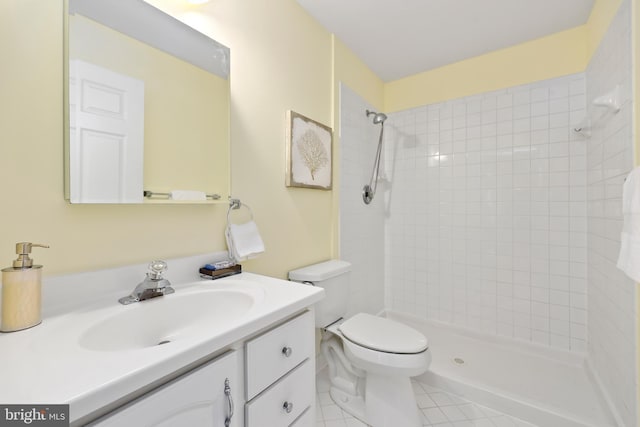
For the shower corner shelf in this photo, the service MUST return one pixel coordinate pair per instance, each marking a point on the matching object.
(610, 100)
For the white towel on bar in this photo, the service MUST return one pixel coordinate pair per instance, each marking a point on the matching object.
(629, 257)
(188, 195)
(244, 241)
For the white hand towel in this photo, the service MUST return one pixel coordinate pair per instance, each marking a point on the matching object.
(244, 240)
(188, 195)
(629, 257)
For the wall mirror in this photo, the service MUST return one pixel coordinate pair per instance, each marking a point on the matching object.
(146, 107)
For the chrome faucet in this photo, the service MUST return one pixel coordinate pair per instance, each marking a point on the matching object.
(154, 285)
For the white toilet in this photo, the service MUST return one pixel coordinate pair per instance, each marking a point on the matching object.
(371, 359)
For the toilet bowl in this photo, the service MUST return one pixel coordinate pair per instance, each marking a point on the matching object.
(370, 359)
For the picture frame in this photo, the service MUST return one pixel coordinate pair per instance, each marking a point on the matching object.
(309, 160)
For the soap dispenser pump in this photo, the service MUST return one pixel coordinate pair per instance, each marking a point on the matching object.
(22, 291)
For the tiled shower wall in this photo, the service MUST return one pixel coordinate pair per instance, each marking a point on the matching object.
(612, 312)
(486, 224)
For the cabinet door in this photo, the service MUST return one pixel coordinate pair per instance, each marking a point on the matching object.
(197, 398)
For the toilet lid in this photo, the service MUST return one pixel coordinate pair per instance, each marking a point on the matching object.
(378, 333)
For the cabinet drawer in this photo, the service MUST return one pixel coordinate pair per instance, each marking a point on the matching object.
(282, 403)
(276, 352)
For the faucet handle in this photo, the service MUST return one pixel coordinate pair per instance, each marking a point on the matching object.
(156, 268)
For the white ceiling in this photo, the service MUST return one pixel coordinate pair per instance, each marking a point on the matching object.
(404, 37)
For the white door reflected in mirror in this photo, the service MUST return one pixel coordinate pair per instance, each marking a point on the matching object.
(106, 135)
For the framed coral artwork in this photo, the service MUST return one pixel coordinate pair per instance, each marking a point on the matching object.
(309, 145)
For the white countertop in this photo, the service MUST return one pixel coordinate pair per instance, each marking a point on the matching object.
(47, 365)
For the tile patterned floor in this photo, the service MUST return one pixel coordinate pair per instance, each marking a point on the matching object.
(438, 408)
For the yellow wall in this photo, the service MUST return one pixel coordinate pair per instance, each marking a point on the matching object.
(281, 59)
(552, 56)
(601, 16)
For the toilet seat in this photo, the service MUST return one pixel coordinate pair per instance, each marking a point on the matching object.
(383, 335)
(387, 364)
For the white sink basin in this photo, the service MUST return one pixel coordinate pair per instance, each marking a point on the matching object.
(164, 320)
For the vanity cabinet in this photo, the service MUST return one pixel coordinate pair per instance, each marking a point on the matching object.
(280, 375)
(166, 361)
(202, 397)
(278, 388)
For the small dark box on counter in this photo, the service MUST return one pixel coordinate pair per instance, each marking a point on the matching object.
(222, 272)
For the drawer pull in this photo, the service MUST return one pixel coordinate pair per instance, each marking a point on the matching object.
(288, 407)
(287, 351)
(227, 392)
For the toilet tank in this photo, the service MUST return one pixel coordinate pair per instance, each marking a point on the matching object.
(333, 277)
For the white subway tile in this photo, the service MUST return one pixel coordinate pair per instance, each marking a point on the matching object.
(560, 341)
(539, 94)
(560, 105)
(540, 322)
(522, 306)
(560, 90)
(540, 108)
(577, 87)
(521, 96)
(540, 122)
(559, 120)
(578, 345)
(493, 234)
(577, 102)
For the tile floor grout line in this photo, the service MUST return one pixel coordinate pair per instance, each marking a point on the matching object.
(438, 409)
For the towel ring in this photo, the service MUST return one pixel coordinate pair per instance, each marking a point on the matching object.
(235, 204)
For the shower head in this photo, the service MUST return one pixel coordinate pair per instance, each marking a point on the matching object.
(377, 117)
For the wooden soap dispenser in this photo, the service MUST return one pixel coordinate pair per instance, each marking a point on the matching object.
(22, 291)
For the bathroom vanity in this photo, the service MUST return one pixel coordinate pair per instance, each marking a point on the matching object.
(237, 351)
(278, 372)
